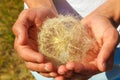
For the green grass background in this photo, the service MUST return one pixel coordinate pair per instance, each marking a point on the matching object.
(11, 66)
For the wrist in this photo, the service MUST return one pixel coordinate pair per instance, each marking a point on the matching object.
(116, 10)
(37, 3)
(110, 9)
(41, 3)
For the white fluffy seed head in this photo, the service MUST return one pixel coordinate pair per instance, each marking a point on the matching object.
(64, 39)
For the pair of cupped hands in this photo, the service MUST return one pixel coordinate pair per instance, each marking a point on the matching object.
(27, 26)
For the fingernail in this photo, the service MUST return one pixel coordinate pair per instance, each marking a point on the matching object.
(53, 74)
(47, 69)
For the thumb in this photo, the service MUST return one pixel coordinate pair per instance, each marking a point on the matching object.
(20, 33)
(20, 29)
(106, 55)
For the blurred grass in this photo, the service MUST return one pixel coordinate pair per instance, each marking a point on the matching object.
(11, 66)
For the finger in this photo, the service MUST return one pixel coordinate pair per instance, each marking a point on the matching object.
(51, 74)
(110, 39)
(68, 74)
(19, 28)
(29, 55)
(77, 67)
(43, 67)
(82, 69)
(70, 65)
(45, 75)
(49, 67)
(59, 78)
(20, 33)
(62, 70)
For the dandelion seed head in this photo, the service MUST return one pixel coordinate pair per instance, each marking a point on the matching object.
(64, 39)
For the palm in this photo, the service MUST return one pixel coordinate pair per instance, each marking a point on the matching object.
(32, 22)
(106, 37)
(32, 38)
(25, 29)
(101, 29)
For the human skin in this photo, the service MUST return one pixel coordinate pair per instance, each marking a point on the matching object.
(99, 23)
(25, 30)
(41, 3)
(102, 24)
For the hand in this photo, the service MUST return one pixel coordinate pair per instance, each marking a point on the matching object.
(101, 28)
(25, 30)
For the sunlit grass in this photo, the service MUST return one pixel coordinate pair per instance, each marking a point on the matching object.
(11, 66)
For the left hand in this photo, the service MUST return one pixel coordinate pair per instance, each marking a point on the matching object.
(25, 29)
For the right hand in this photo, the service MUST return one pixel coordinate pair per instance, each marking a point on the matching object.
(25, 30)
(104, 32)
